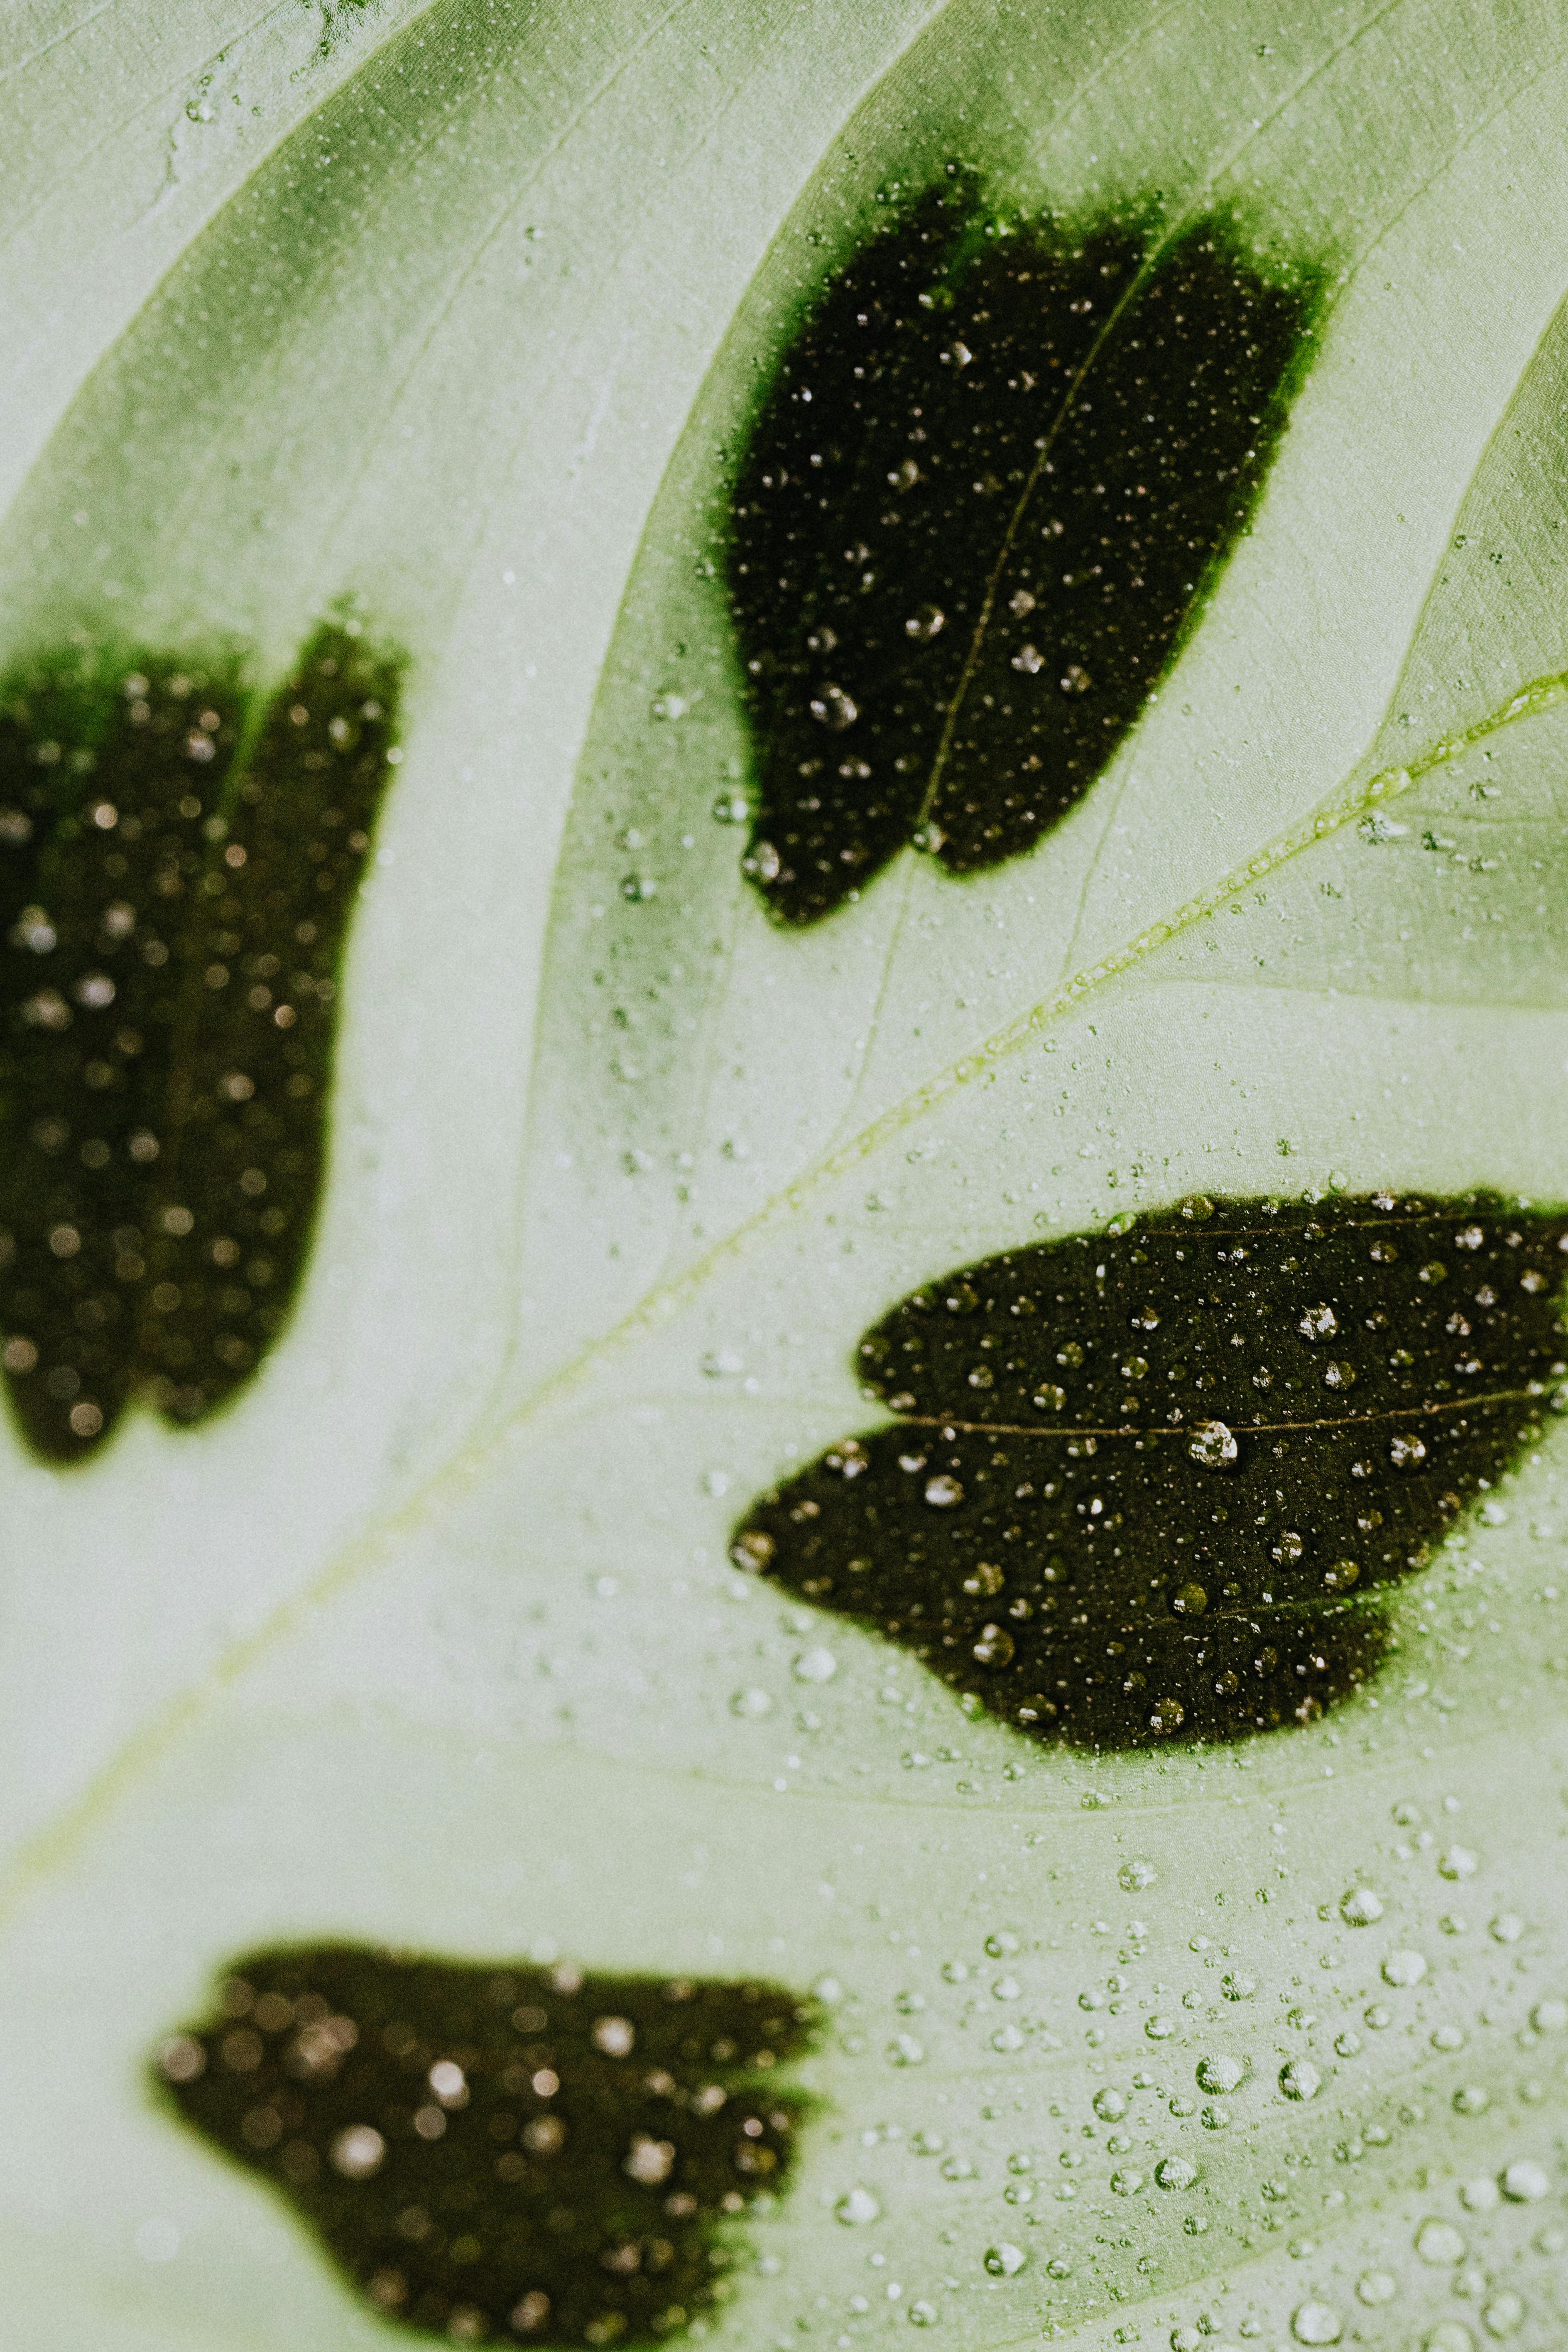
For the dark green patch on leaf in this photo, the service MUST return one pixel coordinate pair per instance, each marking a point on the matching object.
(977, 508)
(518, 2155)
(1155, 1482)
(177, 873)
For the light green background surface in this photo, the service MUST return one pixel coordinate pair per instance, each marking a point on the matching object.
(434, 1638)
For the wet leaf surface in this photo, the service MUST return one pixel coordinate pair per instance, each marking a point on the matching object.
(1157, 1481)
(512, 2154)
(980, 505)
(177, 874)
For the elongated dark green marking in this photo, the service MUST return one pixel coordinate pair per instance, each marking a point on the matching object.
(511, 2155)
(178, 871)
(1159, 1482)
(977, 511)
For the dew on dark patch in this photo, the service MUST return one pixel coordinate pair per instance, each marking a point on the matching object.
(978, 508)
(1131, 1495)
(511, 2155)
(177, 874)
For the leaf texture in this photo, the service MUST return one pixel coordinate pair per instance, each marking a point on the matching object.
(1156, 1481)
(177, 873)
(515, 2154)
(976, 512)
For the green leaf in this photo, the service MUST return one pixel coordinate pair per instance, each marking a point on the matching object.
(985, 494)
(1102, 1523)
(524, 2152)
(175, 892)
(430, 1643)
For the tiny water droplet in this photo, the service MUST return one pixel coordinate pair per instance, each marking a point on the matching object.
(834, 709)
(855, 2208)
(1439, 2244)
(815, 1666)
(1213, 1444)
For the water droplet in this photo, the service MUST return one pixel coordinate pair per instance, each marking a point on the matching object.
(925, 623)
(1506, 1928)
(358, 2151)
(1406, 1453)
(1377, 2288)
(1526, 2183)
(1439, 2244)
(995, 1646)
(834, 708)
(944, 1492)
(922, 2314)
(1449, 2336)
(1471, 2100)
(1319, 1322)
(1135, 1877)
(1212, 1444)
(855, 2208)
(1404, 1969)
(815, 1666)
(1176, 2172)
(1223, 2073)
(1457, 1863)
(1315, 2323)
(1549, 2016)
(1126, 2183)
(1300, 2079)
(1503, 2314)
(1190, 1602)
(1159, 2028)
(751, 1703)
(1360, 1908)
(1004, 2260)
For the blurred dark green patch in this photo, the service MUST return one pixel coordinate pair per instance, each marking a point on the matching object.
(1157, 1481)
(178, 865)
(979, 507)
(513, 2155)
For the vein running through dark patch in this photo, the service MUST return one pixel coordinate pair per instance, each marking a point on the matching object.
(1160, 1480)
(980, 506)
(178, 867)
(502, 2154)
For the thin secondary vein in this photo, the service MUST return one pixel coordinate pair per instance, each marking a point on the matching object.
(1174, 1429)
